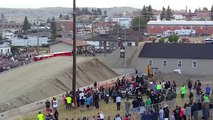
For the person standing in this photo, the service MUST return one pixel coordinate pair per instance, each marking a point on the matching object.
(88, 102)
(161, 114)
(148, 104)
(68, 102)
(177, 113)
(54, 104)
(56, 114)
(40, 116)
(208, 89)
(47, 104)
(82, 101)
(166, 113)
(127, 106)
(188, 112)
(118, 102)
(182, 91)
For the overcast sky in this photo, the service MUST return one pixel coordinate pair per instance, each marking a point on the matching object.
(175, 4)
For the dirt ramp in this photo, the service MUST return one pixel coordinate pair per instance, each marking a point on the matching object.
(172, 76)
(48, 78)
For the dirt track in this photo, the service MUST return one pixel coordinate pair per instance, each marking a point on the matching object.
(47, 78)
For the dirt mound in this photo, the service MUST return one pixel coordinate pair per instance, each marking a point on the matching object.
(47, 78)
(172, 76)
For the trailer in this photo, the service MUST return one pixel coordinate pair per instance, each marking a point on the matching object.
(185, 32)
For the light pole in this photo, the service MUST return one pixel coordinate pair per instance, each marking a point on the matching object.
(37, 37)
(74, 53)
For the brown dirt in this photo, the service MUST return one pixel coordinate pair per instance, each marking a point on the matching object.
(47, 78)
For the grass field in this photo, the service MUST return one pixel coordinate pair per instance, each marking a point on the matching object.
(108, 110)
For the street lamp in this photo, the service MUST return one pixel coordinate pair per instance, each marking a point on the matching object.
(74, 53)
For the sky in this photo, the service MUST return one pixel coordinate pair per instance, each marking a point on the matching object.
(157, 4)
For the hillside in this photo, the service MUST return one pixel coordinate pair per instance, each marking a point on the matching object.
(13, 14)
(47, 78)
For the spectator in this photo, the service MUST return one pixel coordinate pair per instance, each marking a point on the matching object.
(207, 89)
(47, 104)
(56, 114)
(166, 112)
(127, 106)
(117, 117)
(82, 101)
(40, 116)
(188, 112)
(148, 104)
(135, 105)
(161, 114)
(182, 91)
(88, 102)
(126, 117)
(54, 104)
(177, 113)
(118, 102)
(68, 102)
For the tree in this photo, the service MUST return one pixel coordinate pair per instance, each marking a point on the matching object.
(60, 16)
(173, 38)
(53, 29)
(161, 40)
(212, 13)
(149, 12)
(26, 25)
(49, 20)
(168, 14)
(163, 14)
(99, 12)
(66, 17)
(105, 13)
(145, 13)
(135, 23)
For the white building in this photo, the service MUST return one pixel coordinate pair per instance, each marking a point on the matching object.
(5, 48)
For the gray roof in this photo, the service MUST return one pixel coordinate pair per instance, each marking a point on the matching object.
(177, 50)
(181, 22)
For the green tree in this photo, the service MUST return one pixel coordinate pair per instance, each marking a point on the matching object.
(60, 16)
(173, 38)
(135, 23)
(163, 14)
(105, 13)
(66, 17)
(53, 29)
(26, 25)
(161, 40)
(212, 13)
(168, 14)
(145, 13)
(149, 12)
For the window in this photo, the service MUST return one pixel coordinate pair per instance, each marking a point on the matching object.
(194, 64)
(179, 63)
(164, 63)
(1, 51)
(150, 62)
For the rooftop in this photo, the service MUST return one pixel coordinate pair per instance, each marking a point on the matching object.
(70, 42)
(181, 22)
(177, 50)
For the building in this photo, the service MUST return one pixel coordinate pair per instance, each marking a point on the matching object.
(64, 25)
(201, 27)
(4, 24)
(115, 38)
(191, 59)
(5, 48)
(66, 44)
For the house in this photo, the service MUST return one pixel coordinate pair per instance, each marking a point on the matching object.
(5, 48)
(201, 27)
(115, 38)
(66, 44)
(65, 25)
(192, 59)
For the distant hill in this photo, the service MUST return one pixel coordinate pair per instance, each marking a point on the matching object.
(17, 15)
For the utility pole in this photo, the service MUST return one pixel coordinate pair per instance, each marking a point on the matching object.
(74, 53)
(92, 26)
(37, 38)
(139, 21)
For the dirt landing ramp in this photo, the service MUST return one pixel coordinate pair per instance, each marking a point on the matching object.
(47, 78)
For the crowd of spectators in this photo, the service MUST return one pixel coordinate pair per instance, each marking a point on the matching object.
(11, 61)
(133, 89)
